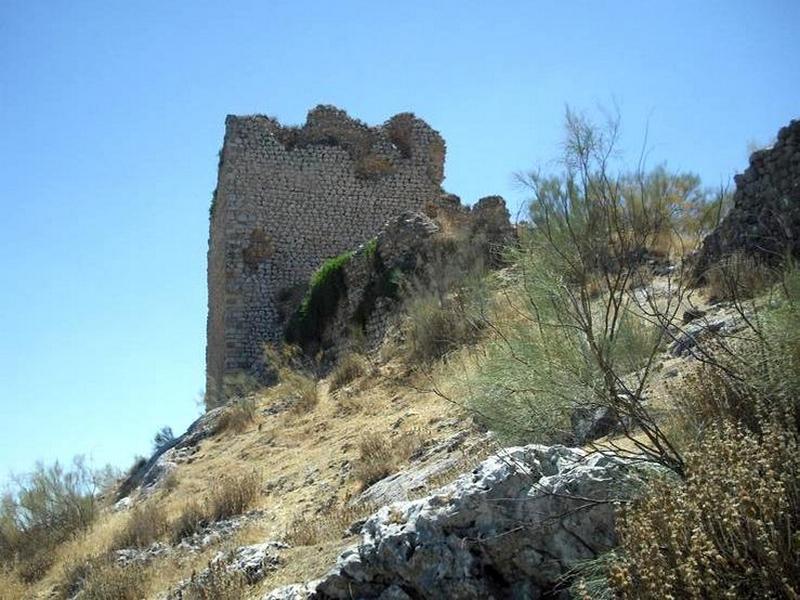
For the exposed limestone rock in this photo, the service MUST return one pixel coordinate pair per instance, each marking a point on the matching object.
(765, 218)
(253, 562)
(152, 473)
(513, 528)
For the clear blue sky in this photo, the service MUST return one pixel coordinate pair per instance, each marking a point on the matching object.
(112, 113)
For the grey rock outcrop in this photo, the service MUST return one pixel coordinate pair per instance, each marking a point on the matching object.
(251, 562)
(151, 473)
(513, 528)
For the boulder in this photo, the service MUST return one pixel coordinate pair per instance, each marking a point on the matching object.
(512, 528)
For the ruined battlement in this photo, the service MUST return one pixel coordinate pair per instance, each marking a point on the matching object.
(288, 198)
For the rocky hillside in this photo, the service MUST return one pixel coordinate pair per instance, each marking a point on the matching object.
(567, 417)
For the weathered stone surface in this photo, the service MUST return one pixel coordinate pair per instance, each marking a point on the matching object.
(289, 198)
(253, 562)
(152, 473)
(590, 423)
(513, 528)
(765, 218)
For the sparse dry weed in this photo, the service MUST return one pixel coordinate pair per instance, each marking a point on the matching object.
(146, 523)
(729, 531)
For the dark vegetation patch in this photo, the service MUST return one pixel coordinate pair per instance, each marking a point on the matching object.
(326, 289)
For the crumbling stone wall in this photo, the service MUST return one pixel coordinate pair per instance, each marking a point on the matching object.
(765, 218)
(288, 198)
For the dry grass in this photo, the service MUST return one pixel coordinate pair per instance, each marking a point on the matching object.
(191, 520)
(304, 390)
(237, 415)
(11, 588)
(285, 450)
(381, 455)
(728, 532)
(435, 327)
(216, 584)
(232, 495)
(327, 526)
(349, 368)
(372, 166)
(102, 579)
(146, 524)
(738, 277)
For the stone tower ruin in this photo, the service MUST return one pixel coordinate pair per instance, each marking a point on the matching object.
(287, 199)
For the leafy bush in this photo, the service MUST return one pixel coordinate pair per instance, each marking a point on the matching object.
(146, 524)
(349, 367)
(729, 531)
(326, 288)
(46, 508)
(163, 438)
(232, 495)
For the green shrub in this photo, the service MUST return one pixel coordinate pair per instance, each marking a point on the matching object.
(371, 248)
(757, 372)
(44, 509)
(326, 288)
(538, 367)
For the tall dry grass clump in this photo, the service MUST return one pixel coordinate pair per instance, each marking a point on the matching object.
(381, 455)
(232, 495)
(293, 377)
(146, 524)
(237, 415)
(739, 277)
(350, 367)
(228, 497)
(730, 531)
(103, 579)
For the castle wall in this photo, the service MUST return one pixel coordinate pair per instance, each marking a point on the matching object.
(289, 198)
(765, 218)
